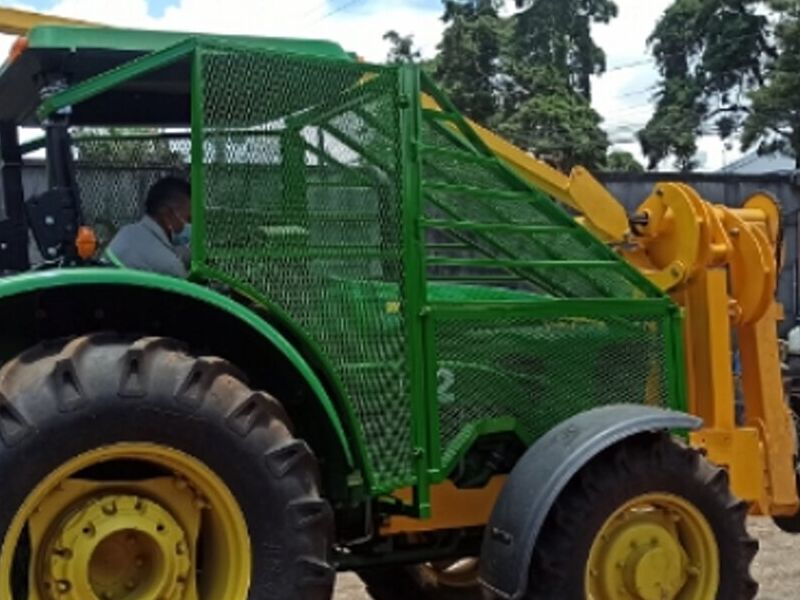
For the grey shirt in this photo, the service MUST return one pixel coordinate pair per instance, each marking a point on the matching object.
(144, 245)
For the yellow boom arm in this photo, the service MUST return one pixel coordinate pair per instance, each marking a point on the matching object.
(719, 264)
(20, 22)
(599, 211)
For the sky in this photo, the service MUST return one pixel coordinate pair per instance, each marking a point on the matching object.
(623, 96)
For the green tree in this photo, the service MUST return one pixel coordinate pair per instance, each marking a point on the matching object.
(468, 64)
(528, 75)
(556, 123)
(558, 34)
(710, 54)
(402, 49)
(620, 161)
(773, 124)
(545, 86)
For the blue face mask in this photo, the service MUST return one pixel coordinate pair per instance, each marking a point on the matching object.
(183, 237)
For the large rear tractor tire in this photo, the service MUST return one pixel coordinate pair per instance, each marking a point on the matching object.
(132, 470)
(446, 580)
(647, 519)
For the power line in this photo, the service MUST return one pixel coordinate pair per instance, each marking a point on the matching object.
(651, 60)
(314, 10)
(338, 9)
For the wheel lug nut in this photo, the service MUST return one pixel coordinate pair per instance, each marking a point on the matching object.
(63, 586)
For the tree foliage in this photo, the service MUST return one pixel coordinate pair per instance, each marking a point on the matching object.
(620, 161)
(558, 34)
(526, 75)
(555, 122)
(402, 49)
(468, 62)
(120, 145)
(773, 124)
(711, 55)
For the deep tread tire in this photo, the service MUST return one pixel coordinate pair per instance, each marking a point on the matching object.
(650, 463)
(405, 583)
(64, 398)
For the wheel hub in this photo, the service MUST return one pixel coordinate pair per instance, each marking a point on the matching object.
(654, 549)
(118, 547)
(653, 562)
(203, 548)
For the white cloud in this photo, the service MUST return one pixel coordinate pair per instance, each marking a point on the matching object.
(358, 26)
(623, 95)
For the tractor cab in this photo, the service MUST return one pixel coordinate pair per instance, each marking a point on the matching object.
(67, 190)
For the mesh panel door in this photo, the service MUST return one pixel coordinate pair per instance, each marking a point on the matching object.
(531, 323)
(303, 206)
(540, 371)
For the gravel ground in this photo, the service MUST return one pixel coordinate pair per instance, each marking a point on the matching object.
(777, 567)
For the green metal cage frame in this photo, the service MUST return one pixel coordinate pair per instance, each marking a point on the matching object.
(431, 465)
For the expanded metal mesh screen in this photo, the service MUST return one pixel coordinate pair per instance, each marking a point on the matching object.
(115, 168)
(303, 204)
(304, 193)
(487, 229)
(465, 186)
(541, 371)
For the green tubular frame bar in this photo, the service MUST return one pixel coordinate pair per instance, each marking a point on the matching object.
(419, 349)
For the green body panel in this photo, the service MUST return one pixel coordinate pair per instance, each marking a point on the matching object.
(444, 297)
(33, 282)
(138, 40)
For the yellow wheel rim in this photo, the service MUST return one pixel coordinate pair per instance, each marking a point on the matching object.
(656, 547)
(131, 540)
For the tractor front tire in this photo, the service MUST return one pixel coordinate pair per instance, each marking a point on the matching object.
(648, 518)
(132, 467)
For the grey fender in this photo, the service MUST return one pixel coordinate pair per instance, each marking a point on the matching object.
(543, 472)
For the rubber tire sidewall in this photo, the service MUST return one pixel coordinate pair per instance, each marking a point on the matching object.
(617, 489)
(201, 432)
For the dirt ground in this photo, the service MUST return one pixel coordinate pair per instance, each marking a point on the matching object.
(777, 567)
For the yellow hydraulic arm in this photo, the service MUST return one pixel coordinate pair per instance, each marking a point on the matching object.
(599, 211)
(720, 264)
(20, 22)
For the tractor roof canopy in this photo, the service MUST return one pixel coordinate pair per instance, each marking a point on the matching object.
(75, 54)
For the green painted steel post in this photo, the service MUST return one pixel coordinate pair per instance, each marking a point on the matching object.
(675, 359)
(414, 280)
(198, 166)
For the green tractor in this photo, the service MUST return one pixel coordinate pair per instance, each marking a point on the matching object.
(392, 355)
